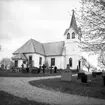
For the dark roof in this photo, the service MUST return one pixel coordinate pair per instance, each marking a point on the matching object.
(47, 49)
(31, 46)
(53, 48)
(73, 24)
(19, 56)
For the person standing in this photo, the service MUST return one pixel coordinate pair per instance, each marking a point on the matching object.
(22, 67)
(55, 69)
(44, 68)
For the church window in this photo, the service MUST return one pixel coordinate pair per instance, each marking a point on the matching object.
(16, 63)
(52, 61)
(30, 59)
(24, 62)
(73, 35)
(40, 60)
(70, 62)
(68, 36)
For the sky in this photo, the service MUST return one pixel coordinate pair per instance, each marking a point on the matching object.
(42, 20)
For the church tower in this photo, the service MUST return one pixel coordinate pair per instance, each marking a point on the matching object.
(72, 49)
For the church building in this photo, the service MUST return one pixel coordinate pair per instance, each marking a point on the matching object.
(57, 54)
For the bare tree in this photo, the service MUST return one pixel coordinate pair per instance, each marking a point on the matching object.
(6, 62)
(101, 59)
(91, 19)
(86, 64)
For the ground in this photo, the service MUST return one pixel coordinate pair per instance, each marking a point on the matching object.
(20, 87)
(9, 99)
(93, 88)
(8, 73)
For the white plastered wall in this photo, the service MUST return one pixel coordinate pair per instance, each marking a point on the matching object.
(59, 61)
(71, 40)
(75, 59)
(19, 63)
(72, 50)
(35, 58)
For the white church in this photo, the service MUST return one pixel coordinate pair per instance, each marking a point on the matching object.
(57, 54)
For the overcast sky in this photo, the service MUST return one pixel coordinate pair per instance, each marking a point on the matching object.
(42, 20)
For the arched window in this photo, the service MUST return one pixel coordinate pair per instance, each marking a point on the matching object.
(70, 62)
(68, 35)
(73, 35)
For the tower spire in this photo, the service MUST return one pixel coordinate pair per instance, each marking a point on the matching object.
(73, 23)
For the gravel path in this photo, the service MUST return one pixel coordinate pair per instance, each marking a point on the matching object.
(19, 86)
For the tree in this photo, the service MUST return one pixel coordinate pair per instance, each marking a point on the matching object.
(92, 19)
(101, 59)
(6, 62)
(12, 64)
(92, 23)
(86, 64)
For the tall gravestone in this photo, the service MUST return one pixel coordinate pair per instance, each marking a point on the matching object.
(67, 74)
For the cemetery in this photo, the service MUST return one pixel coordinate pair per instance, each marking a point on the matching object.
(39, 66)
(84, 84)
(35, 72)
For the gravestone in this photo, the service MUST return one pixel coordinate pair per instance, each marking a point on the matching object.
(67, 74)
(103, 75)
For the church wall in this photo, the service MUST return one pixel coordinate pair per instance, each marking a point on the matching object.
(35, 58)
(59, 61)
(75, 59)
(19, 63)
(72, 51)
(71, 40)
(72, 48)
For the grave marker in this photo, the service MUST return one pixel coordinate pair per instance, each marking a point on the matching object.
(67, 74)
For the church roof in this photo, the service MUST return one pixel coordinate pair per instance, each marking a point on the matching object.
(73, 24)
(31, 46)
(47, 49)
(19, 56)
(53, 48)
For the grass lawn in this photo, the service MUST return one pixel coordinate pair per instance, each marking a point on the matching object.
(94, 88)
(8, 99)
(7, 73)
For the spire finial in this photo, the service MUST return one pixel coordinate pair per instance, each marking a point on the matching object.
(73, 11)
